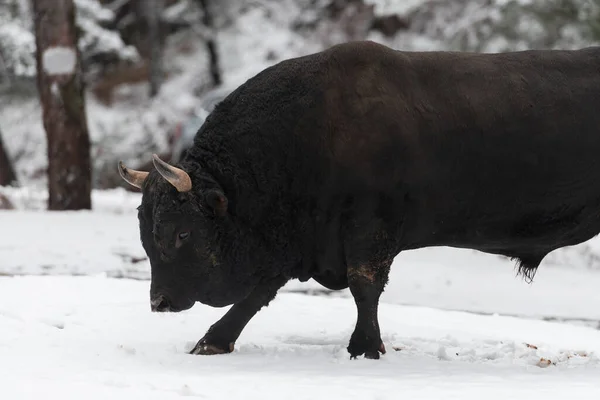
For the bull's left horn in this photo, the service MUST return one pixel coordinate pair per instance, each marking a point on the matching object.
(175, 176)
(131, 176)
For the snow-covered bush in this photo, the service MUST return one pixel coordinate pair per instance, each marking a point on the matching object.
(505, 25)
(17, 41)
(97, 43)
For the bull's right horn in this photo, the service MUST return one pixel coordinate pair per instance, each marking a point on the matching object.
(131, 176)
(175, 176)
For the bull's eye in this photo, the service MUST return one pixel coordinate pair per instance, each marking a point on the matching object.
(184, 235)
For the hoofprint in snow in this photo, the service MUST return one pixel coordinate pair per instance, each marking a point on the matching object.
(95, 338)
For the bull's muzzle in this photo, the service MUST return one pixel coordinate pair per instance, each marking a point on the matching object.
(160, 304)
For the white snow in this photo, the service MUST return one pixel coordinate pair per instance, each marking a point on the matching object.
(94, 336)
(69, 330)
(390, 7)
(59, 60)
(93, 9)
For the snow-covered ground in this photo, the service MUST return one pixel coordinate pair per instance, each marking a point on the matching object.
(462, 324)
(456, 323)
(95, 338)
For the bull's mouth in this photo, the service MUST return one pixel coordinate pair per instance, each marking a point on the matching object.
(174, 309)
(163, 304)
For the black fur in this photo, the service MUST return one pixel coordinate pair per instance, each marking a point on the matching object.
(331, 164)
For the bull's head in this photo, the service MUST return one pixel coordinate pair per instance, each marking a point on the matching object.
(183, 222)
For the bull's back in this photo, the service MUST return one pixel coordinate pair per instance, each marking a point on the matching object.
(477, 149)
(517, 147)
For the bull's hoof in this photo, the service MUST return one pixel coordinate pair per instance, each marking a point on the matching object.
(205, 349)
(359, 347)
(374, 355)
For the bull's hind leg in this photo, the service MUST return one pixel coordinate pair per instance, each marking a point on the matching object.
(367, 282)
(221, 336)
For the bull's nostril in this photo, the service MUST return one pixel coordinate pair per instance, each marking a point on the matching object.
(160, 304)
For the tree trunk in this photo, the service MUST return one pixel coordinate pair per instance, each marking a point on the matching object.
(211, 43)
(7, 173)
(152, 12)
(61, 91)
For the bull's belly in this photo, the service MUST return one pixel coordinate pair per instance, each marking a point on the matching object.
(523, 236)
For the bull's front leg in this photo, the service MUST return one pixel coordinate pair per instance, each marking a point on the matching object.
(367, 282)
(222, 335)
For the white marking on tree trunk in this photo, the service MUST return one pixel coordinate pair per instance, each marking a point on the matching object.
(55, 91)
(59, 60)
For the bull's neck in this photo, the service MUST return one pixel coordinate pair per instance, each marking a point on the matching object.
(256, 211)
(220, 168)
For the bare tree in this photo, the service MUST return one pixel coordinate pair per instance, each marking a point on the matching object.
(60, 87)
(152, 11)
(7, 172)
(211, 43)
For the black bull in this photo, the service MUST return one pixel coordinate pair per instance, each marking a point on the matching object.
(327, 166)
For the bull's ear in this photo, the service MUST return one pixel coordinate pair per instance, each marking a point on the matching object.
(217, 201)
